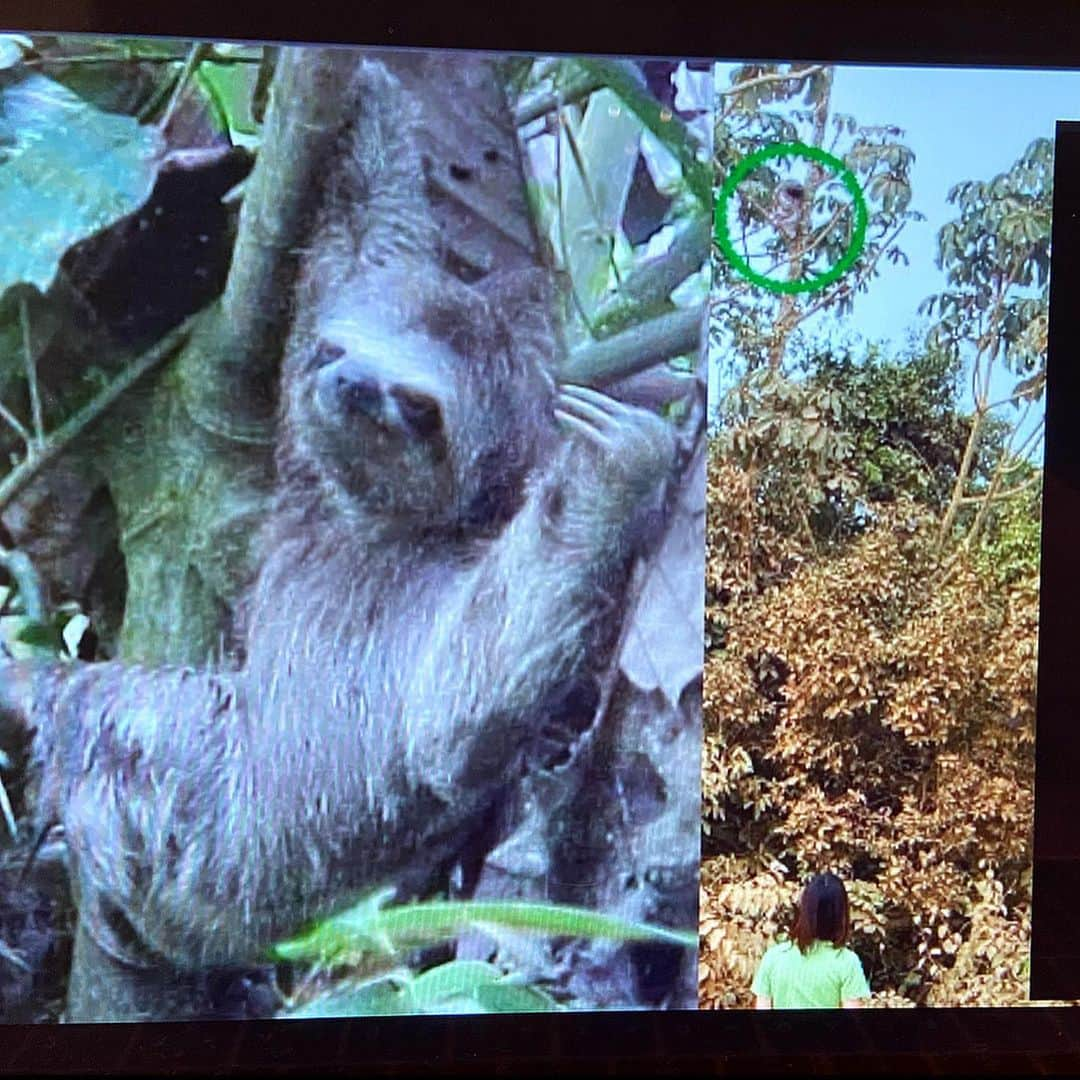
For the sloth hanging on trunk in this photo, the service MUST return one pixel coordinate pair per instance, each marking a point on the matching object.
(449, 543)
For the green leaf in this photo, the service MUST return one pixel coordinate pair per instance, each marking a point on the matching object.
(369, 930)
(12, 49)
(473, 986)
(345, 938)
(41, 636)
(389, 995)
(667, 128)
(597, 170)
(455, 979)
(67, 170)
(506, 997)
(231, 90)
(459, 986)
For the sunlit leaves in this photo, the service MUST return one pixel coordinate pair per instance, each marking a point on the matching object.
(870, 710)
(230, 91)
(996, 257)
(869, 691)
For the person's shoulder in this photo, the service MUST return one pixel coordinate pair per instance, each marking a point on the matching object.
(849, 957)
(777, 948)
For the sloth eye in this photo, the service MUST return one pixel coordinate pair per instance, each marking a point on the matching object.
(419, 411)
(326, 352)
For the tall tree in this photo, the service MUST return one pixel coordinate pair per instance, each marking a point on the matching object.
(994, 316)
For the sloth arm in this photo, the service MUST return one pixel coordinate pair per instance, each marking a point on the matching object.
(139, 766)
(150, 769)
(545, 590)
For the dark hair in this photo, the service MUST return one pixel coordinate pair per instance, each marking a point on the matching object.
(823, 913)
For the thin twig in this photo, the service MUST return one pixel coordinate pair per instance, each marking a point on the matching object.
(996, 481)
(590, 195)
(160, 95)
(539, 102)
(1000, 496)
(863, 276)
(71, 429)
(16, 425)
(814, 242)
(1008, 400)
(97, 58)
(1032, 437)
(7, 953)
(817, 237)
(560, 199)
(196, 55)
(31, 373)
(32, 594)
(9, 820)
(990, 343)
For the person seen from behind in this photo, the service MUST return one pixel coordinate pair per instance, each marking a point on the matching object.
(813, 968)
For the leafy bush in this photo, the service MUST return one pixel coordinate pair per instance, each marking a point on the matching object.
(870, 711)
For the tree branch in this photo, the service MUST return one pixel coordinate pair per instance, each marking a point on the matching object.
(653, 281)
(993, 492)
(15, 424)
(789, 316)
(1031, 481)
(988, 347)
(832, 294)
(538, 102)
(97, 58)
(31, 374)
(196, 55)
(655, 387)
(71, 429)
(763, 80)
(601, 362)
(234, 390)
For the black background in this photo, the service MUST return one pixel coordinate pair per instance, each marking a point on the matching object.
(1055, 946)
(945, 1041)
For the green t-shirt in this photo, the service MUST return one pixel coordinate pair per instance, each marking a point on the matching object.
(821, 978)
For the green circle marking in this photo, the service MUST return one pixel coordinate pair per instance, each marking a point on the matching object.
(747, 166)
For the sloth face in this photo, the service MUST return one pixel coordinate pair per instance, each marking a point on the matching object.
(380, 408)
(409, 402)
(350, 390)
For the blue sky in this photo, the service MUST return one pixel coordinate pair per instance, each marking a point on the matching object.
(962, 124)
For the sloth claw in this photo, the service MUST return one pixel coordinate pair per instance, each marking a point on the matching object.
(637, 443)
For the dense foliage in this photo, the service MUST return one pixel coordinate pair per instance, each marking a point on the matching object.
(872, 603)
(869, 710)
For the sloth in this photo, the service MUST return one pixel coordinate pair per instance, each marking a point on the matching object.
(448, 544)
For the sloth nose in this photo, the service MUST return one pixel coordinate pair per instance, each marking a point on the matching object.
(360, 394)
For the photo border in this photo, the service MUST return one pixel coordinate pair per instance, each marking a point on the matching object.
(1027, 34)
